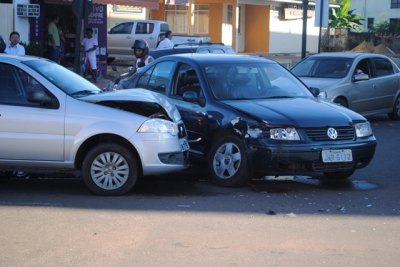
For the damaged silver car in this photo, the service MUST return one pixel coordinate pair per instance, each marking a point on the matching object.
(53, 119)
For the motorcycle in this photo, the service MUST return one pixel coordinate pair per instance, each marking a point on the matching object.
(117, 83)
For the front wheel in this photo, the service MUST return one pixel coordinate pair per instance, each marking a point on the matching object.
(395, 114)
(228, 164)
(110, 169)
(341, 102)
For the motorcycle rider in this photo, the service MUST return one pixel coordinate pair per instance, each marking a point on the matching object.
(141, 52)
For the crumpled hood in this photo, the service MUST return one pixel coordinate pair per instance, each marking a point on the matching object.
(137, 95)
(298, 112)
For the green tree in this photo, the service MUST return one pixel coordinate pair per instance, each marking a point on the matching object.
(343, 17)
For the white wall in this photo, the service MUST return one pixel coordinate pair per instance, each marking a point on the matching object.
(379, 10)
(286, 35)
(7, 20)
(21, 24)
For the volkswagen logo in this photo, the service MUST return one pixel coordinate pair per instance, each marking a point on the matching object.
(332, 133)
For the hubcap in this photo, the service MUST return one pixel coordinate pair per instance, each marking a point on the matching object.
(227, 160)
(109, 170)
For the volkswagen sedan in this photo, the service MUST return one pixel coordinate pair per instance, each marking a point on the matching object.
(249, 116)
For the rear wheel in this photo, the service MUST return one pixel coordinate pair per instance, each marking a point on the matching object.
(395, 114)
(110, 169)
(228, 163)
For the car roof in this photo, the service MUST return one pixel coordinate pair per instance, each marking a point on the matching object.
(15, 58)
(215, 58)
(347, 55)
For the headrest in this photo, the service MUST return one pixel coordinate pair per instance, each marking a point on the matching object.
(190, 77)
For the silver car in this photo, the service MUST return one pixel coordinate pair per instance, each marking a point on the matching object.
(51, 118)
(364, 82)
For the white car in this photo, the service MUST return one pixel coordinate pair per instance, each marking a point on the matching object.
(51, 118)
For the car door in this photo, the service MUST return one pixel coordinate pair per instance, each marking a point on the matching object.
(166, 77)
(377, 93)
(145, 30)
(120, 38)
(28, 131)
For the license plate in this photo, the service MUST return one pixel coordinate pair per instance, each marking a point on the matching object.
(184, 145)
(340, 155)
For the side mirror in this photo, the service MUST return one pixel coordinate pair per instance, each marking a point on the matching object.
(360, 77)
(315, 91)
(41, 98)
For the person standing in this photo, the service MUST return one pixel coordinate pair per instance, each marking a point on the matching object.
(54, 39)
(166, 43)
(14, 48)
(90, 45)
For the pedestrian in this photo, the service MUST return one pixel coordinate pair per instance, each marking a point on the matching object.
(166, 43)
(14, 48)
(160, 38)
(53, 45)
(90, 45)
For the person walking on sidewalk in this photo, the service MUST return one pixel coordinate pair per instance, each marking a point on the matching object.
(90, 45)
(14, 48)
(53, 45)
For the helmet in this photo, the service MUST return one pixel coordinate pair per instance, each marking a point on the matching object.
(141, 44)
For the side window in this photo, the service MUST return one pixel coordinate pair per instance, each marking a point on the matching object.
(383, 67)
(123, 28)
(363, 67)
(16, 85)
(164, 27)
(157, 78)
(187, 80)
(144, 28)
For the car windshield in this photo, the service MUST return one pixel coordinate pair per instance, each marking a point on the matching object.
(253, 81)
(68, 81)
(323, 67)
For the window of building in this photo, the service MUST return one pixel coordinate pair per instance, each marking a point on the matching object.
(370, 23)
(177, 18)
(229, 18)
(394, 25)
(395, 4)
(201, 19)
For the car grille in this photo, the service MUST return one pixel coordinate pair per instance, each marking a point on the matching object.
(320, 134)
(181, 130)
(337, 166)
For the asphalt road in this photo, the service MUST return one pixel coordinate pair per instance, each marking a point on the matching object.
(184, 220)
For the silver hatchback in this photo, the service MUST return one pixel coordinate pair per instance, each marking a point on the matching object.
(366, 83)
(51, 118)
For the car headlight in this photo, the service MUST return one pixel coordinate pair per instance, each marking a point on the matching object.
(159, 126)
(363, 129)
(289, 134)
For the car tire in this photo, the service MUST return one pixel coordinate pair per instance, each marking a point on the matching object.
(395, 114)
(342, 102)
(228, 163)
(110, 169)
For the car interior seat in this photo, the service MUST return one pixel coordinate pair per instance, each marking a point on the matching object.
(190, 82)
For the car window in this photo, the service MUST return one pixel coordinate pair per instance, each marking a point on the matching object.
(186, 80)
(144, 28)
(16, 85)
(323, 67)
(383, 67)
(164, 27)
(122, 28)
(253, 81)
(157, 78)
(364, 67)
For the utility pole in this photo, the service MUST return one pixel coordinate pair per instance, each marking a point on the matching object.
(304, 36)
(78, 8)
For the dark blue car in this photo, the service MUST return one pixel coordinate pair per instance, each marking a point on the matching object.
(249, 116)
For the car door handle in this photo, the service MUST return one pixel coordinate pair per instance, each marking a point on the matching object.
(195, 140)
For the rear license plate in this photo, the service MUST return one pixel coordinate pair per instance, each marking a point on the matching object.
(340, 155)
(184, 145)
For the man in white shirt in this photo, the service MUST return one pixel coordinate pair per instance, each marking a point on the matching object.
(166, 43)
(90, 44)
(14, 48)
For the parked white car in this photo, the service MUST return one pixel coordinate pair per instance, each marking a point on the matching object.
(51, 118)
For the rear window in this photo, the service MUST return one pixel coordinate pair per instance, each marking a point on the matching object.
(383, 67)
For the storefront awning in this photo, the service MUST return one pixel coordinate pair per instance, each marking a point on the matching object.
(151, 4)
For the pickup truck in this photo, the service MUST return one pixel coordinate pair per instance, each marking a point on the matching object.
(121, 37)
